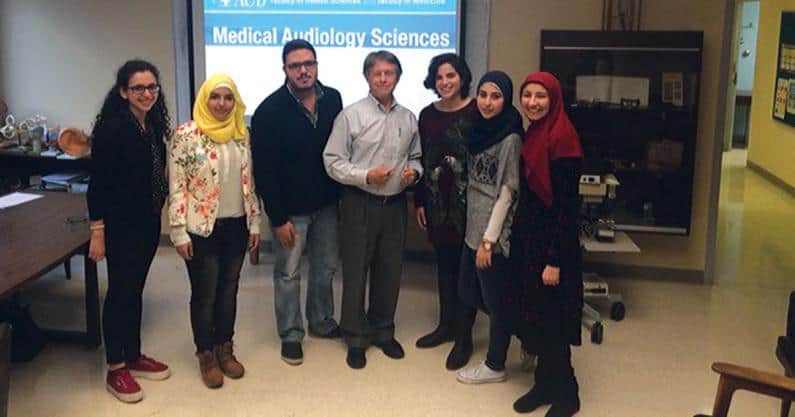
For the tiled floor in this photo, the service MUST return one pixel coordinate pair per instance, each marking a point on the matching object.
(654, 363)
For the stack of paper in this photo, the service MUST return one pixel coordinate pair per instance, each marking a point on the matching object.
(15, 199)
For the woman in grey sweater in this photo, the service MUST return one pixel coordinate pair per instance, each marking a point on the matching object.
(494, 144)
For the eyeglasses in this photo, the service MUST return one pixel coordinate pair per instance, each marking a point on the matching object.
(139, 89)
(296, 65)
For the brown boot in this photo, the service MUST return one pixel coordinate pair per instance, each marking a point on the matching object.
(229, 364)
(211, 373)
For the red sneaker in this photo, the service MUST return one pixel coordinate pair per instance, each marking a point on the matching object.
(123, 386)
(146, 367)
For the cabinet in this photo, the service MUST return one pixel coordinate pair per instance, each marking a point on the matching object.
(633, 97)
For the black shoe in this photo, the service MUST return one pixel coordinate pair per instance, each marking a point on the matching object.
(435, 338)
(356, 358)
(335, 333)
(564, 408)
(529, 402)
(391, 348)
(292, 353)
(459, 355)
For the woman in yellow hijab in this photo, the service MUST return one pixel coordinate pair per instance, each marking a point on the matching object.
(214, 215)
(218, 111)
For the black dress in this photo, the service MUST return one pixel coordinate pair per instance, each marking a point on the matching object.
(549, 236)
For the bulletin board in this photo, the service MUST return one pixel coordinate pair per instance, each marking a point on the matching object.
(784, 99)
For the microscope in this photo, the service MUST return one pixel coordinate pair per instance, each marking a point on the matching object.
(598, 196)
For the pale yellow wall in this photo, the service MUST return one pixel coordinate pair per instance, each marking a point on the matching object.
(515, 36)
(771, 142)
(514, 48)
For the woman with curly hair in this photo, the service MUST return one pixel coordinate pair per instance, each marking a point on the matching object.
(214, 216)
(125, 197)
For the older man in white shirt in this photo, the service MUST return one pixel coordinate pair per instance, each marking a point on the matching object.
(374, 149)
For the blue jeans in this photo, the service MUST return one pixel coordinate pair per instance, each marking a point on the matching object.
(318, 234)
(487, 289)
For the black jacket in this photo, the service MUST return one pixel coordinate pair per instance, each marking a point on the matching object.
(121, 172)
(287, 152)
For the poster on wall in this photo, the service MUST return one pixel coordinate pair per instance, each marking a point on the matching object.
(780, 106)
(784, 99)
(791, 99)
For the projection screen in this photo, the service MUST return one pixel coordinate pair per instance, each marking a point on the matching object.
(244, 39)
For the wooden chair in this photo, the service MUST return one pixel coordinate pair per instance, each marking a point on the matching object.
(785, 350)
(733, 377)
(785, 353)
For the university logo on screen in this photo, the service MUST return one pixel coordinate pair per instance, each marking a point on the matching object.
(229, 4)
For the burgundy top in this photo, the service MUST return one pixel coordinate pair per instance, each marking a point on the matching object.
(442, 190)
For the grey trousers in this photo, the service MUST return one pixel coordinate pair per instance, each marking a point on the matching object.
(373, 235)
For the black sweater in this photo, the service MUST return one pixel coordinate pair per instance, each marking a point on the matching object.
(121, 172)
(287, 151)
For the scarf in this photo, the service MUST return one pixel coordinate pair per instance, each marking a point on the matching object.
(548, 139)
(487, 132)
(220, 131)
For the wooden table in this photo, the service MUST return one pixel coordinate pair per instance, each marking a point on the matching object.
(39, 235)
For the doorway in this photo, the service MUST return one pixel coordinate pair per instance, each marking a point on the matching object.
(743, 58)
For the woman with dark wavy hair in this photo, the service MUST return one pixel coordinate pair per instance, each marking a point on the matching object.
(440, 197)
(125, 197)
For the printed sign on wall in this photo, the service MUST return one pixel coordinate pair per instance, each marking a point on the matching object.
(784, 98)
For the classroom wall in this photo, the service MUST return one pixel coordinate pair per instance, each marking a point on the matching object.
(59, 59)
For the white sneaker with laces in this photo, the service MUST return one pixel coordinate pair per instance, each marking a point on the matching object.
(480, 374)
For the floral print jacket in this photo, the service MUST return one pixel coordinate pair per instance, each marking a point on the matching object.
(194, 189)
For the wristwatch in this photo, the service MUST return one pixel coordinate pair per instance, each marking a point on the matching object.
(487, 245)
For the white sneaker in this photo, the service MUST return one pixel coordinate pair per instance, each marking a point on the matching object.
(480, 374)
(528, 360)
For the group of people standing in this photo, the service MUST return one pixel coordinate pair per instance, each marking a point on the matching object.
(499, 204)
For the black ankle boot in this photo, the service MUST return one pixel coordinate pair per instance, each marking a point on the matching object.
(435, 338)
(529, 402)
(459, 355)
(567, 402)
(564, 408)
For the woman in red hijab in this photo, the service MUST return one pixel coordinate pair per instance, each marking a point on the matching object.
(547, 254)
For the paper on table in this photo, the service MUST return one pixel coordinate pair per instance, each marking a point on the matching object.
(15, 199)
